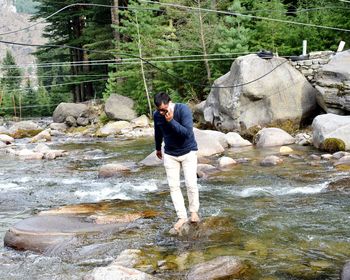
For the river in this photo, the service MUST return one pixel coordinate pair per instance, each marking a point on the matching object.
(281, 220)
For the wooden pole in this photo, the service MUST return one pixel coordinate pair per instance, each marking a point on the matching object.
(142, 70)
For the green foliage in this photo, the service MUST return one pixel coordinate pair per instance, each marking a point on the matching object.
(333, 145)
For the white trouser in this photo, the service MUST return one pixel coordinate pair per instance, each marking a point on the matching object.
(172, 166)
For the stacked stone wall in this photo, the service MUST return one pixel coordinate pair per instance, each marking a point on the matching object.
(309, 67)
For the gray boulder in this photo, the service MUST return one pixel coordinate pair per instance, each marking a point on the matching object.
(63, 110)
(120, 107)
(24, 126)
(331, 126)
(333, 84)
(279, 92)
(210, 142)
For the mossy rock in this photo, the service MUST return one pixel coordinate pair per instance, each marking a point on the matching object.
(21, 133)
(290, 126)
(333, 145)
(250, 133)
(103, 118)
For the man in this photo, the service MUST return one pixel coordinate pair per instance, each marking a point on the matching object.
(173, 123)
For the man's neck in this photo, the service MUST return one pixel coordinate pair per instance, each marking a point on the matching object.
(171, 105)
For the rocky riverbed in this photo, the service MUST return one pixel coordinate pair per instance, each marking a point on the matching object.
(268, 212)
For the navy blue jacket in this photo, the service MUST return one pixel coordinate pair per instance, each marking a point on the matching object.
(177, 134)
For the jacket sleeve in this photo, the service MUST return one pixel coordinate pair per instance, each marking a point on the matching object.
(158, 135)
(184, 127)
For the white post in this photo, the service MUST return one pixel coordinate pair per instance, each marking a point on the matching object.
(304, 47)
(341, 46)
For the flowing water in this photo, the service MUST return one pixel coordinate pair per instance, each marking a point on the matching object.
(281, 220)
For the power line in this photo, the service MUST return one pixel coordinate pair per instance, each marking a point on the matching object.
(95, 62)
(146, 61)
(67, 7)
(245, 15)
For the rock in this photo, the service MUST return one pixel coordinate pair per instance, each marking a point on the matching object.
(42, 136)
(120, 107)
(112, 169)
(75, 110)
(235, 140)
(282, 94)
(117, 272)
(226, 161)
(345, 273)
(332, 82)
(142, 121)
(340, 185)
(326, 156)
(204, 169)
(273, 137)
(138, 132)
(6, 139)
(151, 160)
(128, 258)
(52, 154)
(103, 219)
(59, 126)
(209, 142)
(24, 129)
(271, 161)
(303, 139)
(70, 121)
(41, 148)
(339, 155)
(2, 144)
(3, 130)
(343, 161)
(82, 121)
(39, 233)
(284, 150)
(331, 126)
(218, 268)
(29, 154)
(314, 157)
(113, 128)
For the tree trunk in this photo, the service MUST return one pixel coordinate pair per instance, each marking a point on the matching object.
(206, 62)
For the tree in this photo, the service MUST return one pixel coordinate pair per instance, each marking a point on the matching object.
(10, 84)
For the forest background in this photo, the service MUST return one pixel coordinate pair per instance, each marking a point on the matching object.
(136, 48)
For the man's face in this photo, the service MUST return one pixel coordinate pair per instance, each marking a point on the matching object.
(163, 108)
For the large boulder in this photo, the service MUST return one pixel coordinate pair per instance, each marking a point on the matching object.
(24, 129)
(259, 92)
(331, 126)
(120, 107)
(113, 128)
(210, 142)
(333, 84)
(64, 110)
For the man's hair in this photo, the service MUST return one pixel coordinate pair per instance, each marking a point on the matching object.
(161, 97)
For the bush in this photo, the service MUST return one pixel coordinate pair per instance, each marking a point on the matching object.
(333, 145)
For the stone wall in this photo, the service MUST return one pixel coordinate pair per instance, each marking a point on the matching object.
(309, 67)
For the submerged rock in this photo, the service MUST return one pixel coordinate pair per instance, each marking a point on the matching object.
(117, 272)
(218, 268)
(340, 185)
(112, 169)
(40, 233)
(345, 274)
(271, 161)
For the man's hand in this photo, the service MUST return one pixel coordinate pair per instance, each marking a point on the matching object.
(159, 154)
(169, 115)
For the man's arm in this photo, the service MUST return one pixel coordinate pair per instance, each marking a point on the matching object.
(158, 135)
(184, 128)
